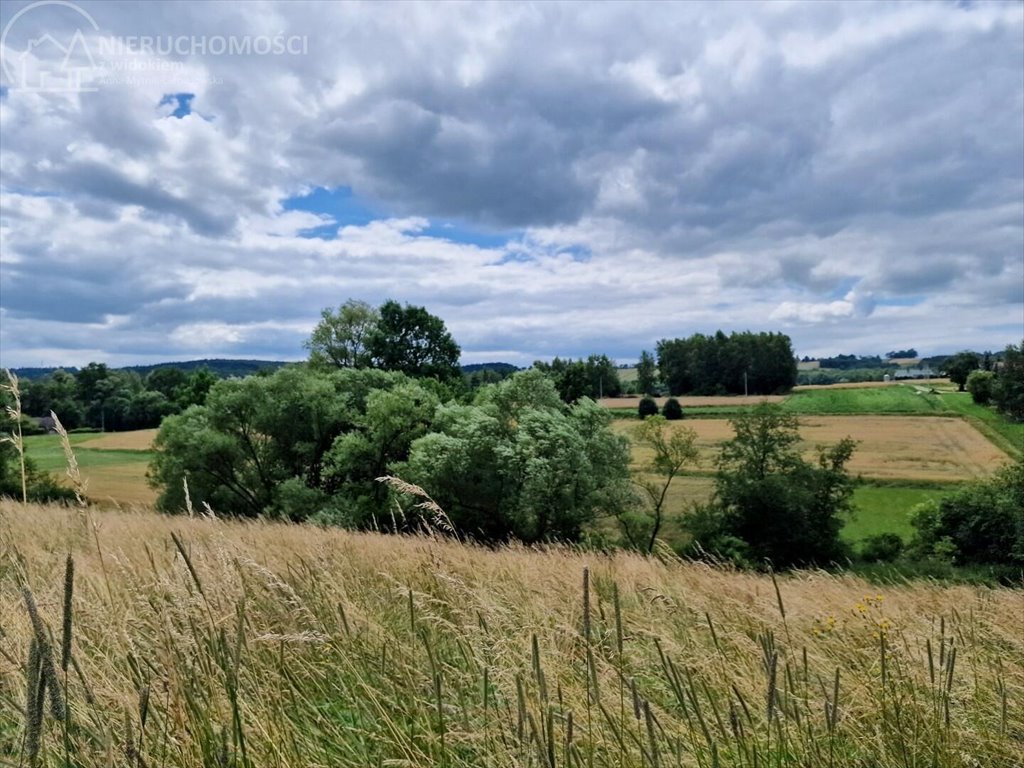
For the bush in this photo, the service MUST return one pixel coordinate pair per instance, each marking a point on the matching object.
(881, 548)
(672, 410)
(981, 524)
(647, 407)
(980, 384)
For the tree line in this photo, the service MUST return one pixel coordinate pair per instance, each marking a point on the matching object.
(740, 363)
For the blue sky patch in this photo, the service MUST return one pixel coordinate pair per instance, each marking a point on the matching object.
(182, 103)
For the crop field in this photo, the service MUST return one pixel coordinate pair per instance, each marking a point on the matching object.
(888, 447)
(205, 642)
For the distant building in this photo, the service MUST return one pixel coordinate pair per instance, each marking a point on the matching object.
(921, 372)
(808, 365)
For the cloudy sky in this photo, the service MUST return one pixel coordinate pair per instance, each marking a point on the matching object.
(185, 180)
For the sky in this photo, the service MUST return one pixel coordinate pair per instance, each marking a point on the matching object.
(199, 179)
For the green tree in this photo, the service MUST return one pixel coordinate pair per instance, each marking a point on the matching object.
(1008, 391)
(196, 388)
(959, 367)
(672, 410)
(411, 340)
(260, 444)
(647, 407)
(519, 463)
(646, 374)
(980, 384)
(671, 450)
(381, 437)
(341, 338)
(166, 380)
(771, 504)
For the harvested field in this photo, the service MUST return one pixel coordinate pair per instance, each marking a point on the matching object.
(888, 447)
(696, 402)
(139, 440)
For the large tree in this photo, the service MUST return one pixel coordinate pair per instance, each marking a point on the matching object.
(519, 463)
(293, 444)
(646, 373)
(411, 340)
(340, 338)
(959, 367)
(1008, 391)
(770, 503)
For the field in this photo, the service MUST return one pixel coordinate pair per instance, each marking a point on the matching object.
(896, 399)
(888, 447)
(114, 464)
(198, 642)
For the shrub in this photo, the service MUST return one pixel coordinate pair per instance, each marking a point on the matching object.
(672, 410)
(981, 524)
(881, 548)
(980, 384)
(647, 407)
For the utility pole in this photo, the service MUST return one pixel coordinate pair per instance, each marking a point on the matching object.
(745, 384)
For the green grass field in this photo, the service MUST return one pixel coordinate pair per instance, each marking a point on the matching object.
(885, 509)
(897, 399)
(112, 474)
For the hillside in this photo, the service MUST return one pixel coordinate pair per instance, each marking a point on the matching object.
(201, 642)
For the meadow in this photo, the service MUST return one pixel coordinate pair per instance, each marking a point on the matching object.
(114, 464)
(195, 642)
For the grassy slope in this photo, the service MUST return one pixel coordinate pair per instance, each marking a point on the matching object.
(288, 646)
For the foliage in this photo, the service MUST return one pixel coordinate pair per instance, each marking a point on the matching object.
(595, 377)
(959, 367)
(647, 407)
(980, 384)
(1008, 393)
(262, 443)
(761, 364)
(672, 410)
(41, 486)
(672, 449)
(647, 374)
(520, 464)
(881, 548)
(414, 342)
(116, 399)
(901, 354)
(982, 523)
(776, 505)
(847, 362)
(340, 339)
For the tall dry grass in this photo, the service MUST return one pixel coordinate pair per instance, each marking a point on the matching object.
(197, 642)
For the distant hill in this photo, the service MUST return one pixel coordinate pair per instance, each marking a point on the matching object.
(219, 366)
(503, 368)
(231, 368)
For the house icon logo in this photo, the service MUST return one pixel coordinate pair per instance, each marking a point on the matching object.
(49, 63)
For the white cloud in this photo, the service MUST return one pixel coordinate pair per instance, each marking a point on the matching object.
(656, 171)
